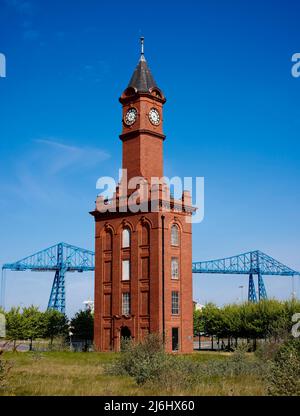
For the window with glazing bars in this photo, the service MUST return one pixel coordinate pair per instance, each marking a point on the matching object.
(174, 235)
(175, 303)
(126, 303)
(125, 270)
(175, 268)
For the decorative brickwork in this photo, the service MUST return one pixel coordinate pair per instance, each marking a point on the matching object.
(133, 281)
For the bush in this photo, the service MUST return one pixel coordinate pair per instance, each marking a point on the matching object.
(267, 350)
(283, 373)
(238, 364)
(143, 361)
(147, 363)
(4, 369)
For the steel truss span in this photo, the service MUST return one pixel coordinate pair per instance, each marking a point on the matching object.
(62, 258)
(251, 263)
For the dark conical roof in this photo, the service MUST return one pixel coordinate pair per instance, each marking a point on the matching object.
(142, 79)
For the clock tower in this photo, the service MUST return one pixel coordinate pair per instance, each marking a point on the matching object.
(142, 132)
(143, 259)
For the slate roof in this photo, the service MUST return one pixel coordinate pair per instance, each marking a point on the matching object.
(142, 78)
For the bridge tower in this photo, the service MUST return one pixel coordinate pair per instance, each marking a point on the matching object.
(143, 260)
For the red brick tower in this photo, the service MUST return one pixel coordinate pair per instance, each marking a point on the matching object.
(143, 261)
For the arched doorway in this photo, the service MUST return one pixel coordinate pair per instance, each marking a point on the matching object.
(125, 335)
(125, 332)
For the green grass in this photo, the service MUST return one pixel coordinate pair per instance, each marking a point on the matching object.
(67, 373)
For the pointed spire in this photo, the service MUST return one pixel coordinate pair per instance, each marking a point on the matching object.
(142, 45)
(142, 79)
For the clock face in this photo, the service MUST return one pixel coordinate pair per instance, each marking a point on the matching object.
(130, 116)
(154, 116)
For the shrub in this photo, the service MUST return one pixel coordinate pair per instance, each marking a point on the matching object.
(143, 361)
(147, 363)
(238, 364)
(283, 373)
(4, 369)
(267, 350)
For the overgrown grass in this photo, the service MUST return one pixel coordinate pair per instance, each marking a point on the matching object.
(85, 374)
(151, 367)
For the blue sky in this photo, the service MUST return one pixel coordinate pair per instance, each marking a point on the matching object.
(232, 116)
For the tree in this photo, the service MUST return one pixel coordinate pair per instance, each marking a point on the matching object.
(2, 323)
(34, 324)
(55, 324)
(15, 326)
(83, 326)
(232, 323)
(198, 322)
(212, 320)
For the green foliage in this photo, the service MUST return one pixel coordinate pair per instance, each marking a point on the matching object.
(238, 364)
(143, 361)
(2, 373)
(56, 324)
(265, 319)
(212, 320)
(148, 364)
(15, 325)
(30, 323)
(34, 324)
(283, 374)
(4, 369)
(198, 321)
(83, 326)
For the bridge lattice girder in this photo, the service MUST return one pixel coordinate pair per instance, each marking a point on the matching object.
(255, 262)
(54, 258)
(60, 258)
(63, 258)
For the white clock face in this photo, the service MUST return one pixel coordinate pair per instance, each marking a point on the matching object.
(130, 116)
(154, 116)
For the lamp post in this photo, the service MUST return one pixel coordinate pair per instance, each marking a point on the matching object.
(70, 334)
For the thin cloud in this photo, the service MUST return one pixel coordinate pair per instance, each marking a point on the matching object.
(63, 156)
(50, 171)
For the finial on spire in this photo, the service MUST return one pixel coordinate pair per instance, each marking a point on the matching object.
(142, 45)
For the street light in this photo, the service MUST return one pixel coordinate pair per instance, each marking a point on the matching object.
(70, 334)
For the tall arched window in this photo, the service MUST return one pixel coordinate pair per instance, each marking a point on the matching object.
(175, 235)
(145, 235)
(108, 240)
(126, 238)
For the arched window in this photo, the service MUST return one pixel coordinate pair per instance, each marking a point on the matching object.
(125, 270)
(145, 235)
(125, 238)
(108, 240)
(174, 268)
(175, 235)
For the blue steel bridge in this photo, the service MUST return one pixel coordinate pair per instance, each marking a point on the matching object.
(63, 258)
